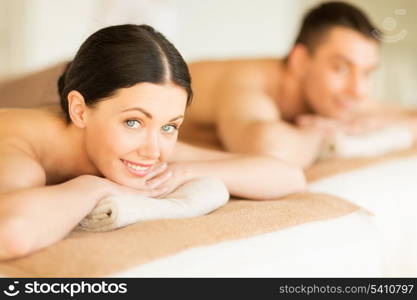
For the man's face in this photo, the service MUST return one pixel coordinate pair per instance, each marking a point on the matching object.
(336, 78)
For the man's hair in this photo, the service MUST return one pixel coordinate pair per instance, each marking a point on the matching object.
(327, 15)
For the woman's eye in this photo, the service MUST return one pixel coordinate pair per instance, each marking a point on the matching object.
(132, 123)
(169, 128)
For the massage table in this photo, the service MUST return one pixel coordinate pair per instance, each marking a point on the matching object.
(349, 224)
(389, 190)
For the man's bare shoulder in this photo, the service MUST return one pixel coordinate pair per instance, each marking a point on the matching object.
(245, 91)
(228, 85)
(234, 69)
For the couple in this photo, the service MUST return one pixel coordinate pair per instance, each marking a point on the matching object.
(123, 99)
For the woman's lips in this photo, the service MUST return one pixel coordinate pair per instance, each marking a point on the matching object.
(136, 168)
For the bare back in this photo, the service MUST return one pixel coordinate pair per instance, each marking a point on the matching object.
(218, 85)
(27, 147)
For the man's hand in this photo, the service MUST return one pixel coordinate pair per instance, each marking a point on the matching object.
(324, 126)
(367, 122)
(354, 125)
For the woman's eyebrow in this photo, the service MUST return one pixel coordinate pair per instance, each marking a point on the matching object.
(149, 115)
(139, 109)
(176, 118)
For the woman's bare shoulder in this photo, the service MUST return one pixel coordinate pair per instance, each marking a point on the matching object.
(19, 169)
(20, 132)
(24, 129)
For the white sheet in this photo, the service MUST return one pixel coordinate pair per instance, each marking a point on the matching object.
(341, 247)
(390, 191)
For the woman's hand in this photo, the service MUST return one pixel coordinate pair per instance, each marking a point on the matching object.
(150, 185)
(159, 182)
(180, 173)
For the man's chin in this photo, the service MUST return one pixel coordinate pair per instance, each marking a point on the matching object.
(339, 114)
(346, 114)
(330, 114)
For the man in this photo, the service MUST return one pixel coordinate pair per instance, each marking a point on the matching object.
(288, 107)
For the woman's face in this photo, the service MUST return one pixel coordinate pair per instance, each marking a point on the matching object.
(135, 129)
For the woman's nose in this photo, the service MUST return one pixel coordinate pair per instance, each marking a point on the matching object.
(150, 147)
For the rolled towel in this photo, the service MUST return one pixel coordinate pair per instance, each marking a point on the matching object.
(369, 144)
(195, 198)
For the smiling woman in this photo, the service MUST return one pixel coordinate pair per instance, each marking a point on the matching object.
(123, 99)
(132, 132)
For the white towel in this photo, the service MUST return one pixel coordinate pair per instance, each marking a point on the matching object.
(195, 198)
(369, 144)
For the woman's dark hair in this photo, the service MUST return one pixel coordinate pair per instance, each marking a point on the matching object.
(119, 57)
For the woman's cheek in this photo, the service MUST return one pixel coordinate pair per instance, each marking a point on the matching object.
(114, 138)
(167, 147)
(126, 143)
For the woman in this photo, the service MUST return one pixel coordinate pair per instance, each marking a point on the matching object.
(123, 99)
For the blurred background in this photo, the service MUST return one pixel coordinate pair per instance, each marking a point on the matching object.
(35, 34)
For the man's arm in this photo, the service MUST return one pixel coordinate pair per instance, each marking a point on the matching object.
(285, 141)
(248, 121)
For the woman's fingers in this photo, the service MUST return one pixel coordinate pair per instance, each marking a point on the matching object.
(156, 181)
(156, 170)
(166, 192)
(158, 192)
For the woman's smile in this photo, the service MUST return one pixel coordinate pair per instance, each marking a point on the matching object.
(137, 169)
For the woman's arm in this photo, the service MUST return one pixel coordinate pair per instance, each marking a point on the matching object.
(246, 176)
(33, 218)
(187, 152)
(32, 215)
